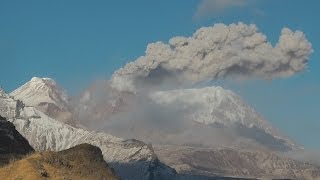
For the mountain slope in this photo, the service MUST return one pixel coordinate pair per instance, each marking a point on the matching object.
(206, 110)
(46, 96)
(12, 144)
(10, 139)
(205, 116)
(221, 109)
(235, 163)
(131, 159)
(80, 162)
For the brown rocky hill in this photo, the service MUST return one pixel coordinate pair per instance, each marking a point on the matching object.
(19, 161)
(80, 162)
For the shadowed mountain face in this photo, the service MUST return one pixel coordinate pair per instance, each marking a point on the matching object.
(80, 162)
(12, 144)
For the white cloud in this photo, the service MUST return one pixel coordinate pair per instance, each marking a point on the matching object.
(212, 7)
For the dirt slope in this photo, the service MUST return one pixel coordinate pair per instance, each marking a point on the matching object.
(80, 162)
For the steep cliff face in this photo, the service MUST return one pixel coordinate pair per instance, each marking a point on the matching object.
(12, 144)
(11, 141)
(80, 162)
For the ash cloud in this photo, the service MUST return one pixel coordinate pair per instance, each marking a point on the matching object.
(208, 8)
(309, 156)
(211, 53)
(138, 116)
(123, 107)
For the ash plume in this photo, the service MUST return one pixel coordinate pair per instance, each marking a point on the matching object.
(207, 8)
(125, 106)
(220, 51)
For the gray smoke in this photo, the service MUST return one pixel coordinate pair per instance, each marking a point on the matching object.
(138, 116)
(312, 157)
(220, 51)
(207, 8)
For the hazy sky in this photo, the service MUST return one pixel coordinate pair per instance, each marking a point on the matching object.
(77, 41)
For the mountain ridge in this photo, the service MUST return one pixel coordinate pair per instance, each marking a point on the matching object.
(80, 162)
(134, 159)
(128, 158)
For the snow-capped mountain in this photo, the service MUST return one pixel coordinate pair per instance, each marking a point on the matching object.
(204, 116)
(46, 96)
(215, 105)
(131, 159)
(184, 118)
(221, 108)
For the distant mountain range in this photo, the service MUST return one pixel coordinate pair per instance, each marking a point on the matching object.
(201, 133)
(131, 159)
(206, 116)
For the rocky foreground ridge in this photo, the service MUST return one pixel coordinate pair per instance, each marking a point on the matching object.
(80, 162)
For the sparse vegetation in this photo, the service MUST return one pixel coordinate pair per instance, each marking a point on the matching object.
(81, 162)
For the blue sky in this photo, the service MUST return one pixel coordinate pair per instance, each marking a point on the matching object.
(78, 41)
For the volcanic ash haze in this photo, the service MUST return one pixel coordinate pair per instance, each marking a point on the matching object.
(147, 99)
(215, 52)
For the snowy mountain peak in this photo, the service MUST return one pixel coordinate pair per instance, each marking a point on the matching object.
(215, 105)
(45, 95)
(43, 82)
(39, 90)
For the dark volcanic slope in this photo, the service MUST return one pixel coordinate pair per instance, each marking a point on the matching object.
(80, 162)
(12, 143)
